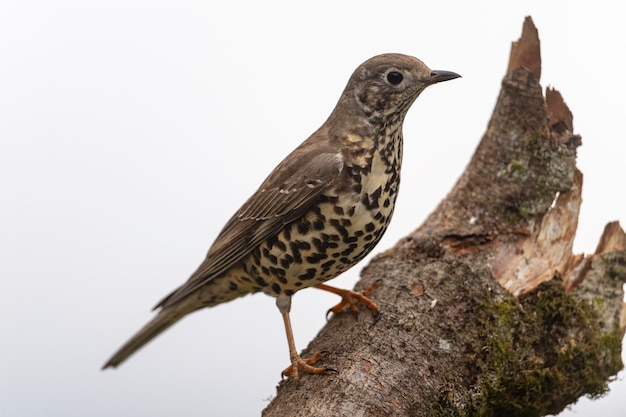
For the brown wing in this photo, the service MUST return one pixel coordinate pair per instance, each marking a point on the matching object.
(285, 195)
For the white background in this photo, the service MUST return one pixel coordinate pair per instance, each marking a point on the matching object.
(131, 130)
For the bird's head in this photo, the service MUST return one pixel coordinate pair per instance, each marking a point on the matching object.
(386, 85)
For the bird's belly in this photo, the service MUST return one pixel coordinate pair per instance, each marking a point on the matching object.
(333, 236)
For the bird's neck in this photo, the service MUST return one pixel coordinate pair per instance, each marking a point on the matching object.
(381, 146)
(364, 134)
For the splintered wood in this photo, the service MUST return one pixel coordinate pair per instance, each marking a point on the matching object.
(526, 52)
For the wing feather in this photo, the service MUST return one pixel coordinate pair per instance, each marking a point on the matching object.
(284, 196)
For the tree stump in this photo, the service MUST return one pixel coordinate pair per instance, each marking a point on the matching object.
(486, 311)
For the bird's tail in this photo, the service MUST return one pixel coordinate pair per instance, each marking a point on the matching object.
(164, 319)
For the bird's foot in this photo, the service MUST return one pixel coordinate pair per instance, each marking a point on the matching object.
(301, 366)
(349, 299)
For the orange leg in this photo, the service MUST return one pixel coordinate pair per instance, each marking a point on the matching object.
(349, 298)
(298, 365)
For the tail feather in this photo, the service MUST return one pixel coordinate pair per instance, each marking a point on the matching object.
(213, 293)
(157, 325)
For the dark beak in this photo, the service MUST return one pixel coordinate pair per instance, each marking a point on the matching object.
(439, 76)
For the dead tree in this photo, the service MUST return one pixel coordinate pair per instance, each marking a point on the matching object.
(486, 310)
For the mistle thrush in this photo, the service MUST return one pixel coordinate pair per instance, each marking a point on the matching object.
(319, 212)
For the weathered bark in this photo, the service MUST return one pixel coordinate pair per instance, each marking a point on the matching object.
(486, 309)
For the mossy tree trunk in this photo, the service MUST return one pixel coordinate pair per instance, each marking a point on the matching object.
(486, 310)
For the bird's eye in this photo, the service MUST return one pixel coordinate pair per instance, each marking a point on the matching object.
(394, 77)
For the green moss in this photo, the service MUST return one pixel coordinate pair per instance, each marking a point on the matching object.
(542, 353)
(516, 169)
(443, 408)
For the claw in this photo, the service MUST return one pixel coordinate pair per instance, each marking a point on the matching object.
(339, 308)
(377, 317)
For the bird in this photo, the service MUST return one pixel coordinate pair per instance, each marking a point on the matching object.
(317, 214)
